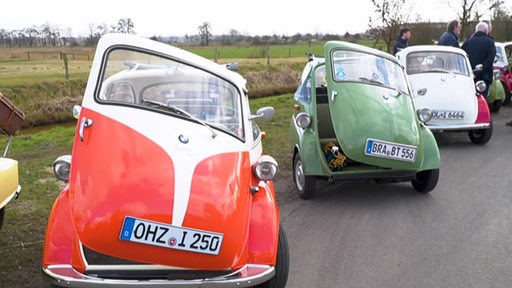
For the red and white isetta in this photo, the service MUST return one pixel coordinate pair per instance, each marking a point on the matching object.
(167, 185)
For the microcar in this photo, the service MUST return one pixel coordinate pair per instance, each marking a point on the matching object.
(11, 119)
(502, 63)
(355, 120)
(167, 185)
(442, 80)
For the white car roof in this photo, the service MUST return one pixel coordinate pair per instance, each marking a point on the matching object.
(503, 44)
(434, 48)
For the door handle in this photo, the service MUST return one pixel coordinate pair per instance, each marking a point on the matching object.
(84, 123)
(333, 94)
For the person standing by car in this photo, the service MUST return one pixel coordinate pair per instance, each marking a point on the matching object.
(450, 37)
(481, 50)
(401, 40)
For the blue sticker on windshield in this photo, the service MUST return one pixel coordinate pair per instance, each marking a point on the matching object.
(340, 74)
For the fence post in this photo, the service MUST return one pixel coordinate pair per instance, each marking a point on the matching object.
(268, 55)
(65, 58)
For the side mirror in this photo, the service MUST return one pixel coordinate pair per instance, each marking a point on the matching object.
(233, 66)
(76, 111)
(478, 67)
(264, 113)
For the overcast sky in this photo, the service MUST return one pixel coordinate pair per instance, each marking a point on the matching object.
(178, 18)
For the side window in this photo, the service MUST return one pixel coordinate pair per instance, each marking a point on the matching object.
(256, 132)
(303, 93)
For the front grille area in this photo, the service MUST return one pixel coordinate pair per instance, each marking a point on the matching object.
(131, 270)
(94, 258)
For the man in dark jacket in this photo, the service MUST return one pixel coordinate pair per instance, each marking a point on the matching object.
(481, 50)
(450, 37)
(401, 40)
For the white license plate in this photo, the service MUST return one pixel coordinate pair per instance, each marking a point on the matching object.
(390, 150)
(169, 236)
(448, 115)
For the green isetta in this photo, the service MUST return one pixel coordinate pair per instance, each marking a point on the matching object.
(355, 120)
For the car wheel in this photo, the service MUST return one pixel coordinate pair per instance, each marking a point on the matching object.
(508, 95)
(496, 106)
(2, 213)
(305, 185)
(481, 136)
(425, 181)
(282, 263)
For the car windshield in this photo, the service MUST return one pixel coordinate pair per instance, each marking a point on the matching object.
(500, 56)
(144, 81)
(368, 68)
(436, 61)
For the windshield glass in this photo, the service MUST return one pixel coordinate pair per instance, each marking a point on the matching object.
(367, 68)
(141, 80)
(436, 61)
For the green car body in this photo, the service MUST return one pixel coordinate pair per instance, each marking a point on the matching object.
(358, 99)
(497, 95)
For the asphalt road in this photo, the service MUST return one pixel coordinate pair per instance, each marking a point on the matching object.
(358, 234)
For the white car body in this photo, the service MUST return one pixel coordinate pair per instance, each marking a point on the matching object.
(501, 53)
(441, 79)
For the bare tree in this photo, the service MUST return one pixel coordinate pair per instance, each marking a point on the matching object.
(498, 10)
(31, 35)
(390, 15)
(205, 32)
(466, 12)
(125, 25)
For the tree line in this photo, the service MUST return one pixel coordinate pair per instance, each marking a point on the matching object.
(388, 18)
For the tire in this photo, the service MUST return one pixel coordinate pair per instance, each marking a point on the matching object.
(496, 106)
(282, 263)
(2, 213)
(305, 185)
(482, 136)
(425, 181)
(508, 96)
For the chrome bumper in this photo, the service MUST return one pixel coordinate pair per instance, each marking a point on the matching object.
(461, 127)
(248, 276)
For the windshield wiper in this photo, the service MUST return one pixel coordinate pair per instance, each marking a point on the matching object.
(437, 70)
(179, 111)
(373, 81)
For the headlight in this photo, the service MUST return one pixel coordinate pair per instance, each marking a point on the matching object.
(424, 114)
(480, 86)
(303, 120)
(265, 168)
(61, 167)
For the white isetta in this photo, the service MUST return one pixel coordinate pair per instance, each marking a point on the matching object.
(442, 79)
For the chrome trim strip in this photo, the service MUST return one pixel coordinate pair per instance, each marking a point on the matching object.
(458, 127)
(252, 275)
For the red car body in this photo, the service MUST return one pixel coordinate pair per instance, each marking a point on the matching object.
(502, 63)
(167, 184)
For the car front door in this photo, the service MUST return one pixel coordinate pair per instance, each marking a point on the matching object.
(371, 110)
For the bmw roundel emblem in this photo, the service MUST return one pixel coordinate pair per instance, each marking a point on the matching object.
(183, 139)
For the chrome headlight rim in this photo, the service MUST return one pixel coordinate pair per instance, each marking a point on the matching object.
(424, 114)
(480, 86)
(61, 167)
(303, 120)
(266, 168)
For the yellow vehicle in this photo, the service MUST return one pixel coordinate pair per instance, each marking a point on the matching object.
(10, 124)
